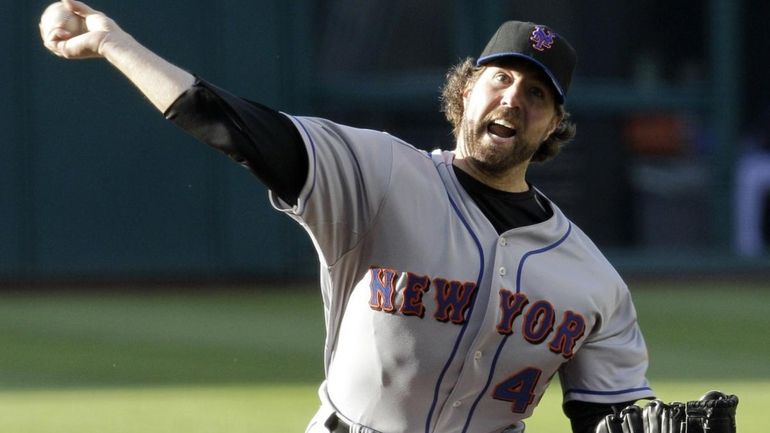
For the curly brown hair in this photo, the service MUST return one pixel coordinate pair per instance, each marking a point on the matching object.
(463, 75)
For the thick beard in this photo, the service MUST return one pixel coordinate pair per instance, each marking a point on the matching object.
(489, 159)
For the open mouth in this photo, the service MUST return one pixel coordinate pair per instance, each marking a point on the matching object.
(501, 128)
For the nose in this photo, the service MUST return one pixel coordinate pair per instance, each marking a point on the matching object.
(512, 95)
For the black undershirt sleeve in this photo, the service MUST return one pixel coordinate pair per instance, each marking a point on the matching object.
(584, 416)
(260, 138)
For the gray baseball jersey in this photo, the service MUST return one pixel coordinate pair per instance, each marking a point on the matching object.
(435, 323)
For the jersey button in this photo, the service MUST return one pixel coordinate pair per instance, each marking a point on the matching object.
(477, 355)
(503, 242)
(502, 271)
(458, 403)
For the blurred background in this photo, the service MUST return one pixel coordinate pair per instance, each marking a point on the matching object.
(669, 173)
(215, 323)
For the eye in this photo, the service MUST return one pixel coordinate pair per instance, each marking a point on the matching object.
(502, 78)
(537, 92)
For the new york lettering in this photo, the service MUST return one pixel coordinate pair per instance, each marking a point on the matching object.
(452, 298)
(536, 321)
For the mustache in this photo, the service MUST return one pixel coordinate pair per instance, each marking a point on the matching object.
(503, 113)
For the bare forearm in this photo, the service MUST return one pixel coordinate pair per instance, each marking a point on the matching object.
(159, 80)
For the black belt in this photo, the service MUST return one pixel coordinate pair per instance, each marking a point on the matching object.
(337, 425)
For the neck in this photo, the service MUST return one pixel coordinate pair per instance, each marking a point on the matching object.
(511, 180)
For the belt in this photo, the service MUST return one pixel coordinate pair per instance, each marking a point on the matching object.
(336, 425)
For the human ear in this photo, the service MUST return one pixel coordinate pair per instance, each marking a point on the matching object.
(466, 95)
(554, 124)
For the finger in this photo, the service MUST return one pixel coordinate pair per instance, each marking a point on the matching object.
(51, 46)
(79, 8)
(57, 34)
(54, 46)
(68, 49)
(53, 34)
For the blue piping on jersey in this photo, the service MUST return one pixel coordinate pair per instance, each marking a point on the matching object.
(468, 317)
(621, 391)
(505, 338)
(520, 270)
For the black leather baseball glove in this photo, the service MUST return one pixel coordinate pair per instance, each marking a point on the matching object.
(712, 413)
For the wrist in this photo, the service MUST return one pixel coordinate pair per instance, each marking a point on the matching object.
(114, 42)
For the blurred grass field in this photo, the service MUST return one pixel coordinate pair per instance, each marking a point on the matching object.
(249, 360)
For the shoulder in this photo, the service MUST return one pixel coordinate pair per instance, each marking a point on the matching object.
(323, 136)
(314, 128)
(581, 250)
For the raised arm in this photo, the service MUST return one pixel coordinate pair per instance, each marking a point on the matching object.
(260, 138)
(100, 37)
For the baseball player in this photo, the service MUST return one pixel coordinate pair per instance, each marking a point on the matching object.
(453, 289)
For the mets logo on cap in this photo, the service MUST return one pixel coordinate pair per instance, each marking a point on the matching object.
(542, 38)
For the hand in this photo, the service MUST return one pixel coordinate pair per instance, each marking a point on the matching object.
(98, 29)
(159, 80)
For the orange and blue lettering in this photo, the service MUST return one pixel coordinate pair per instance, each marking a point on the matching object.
(570, 330)
(511, 306)
(452, 299)
(383, 291)
(416, 286)
(538, 322)
(519, 389)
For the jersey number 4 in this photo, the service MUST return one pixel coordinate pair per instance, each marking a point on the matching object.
(518, 389)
